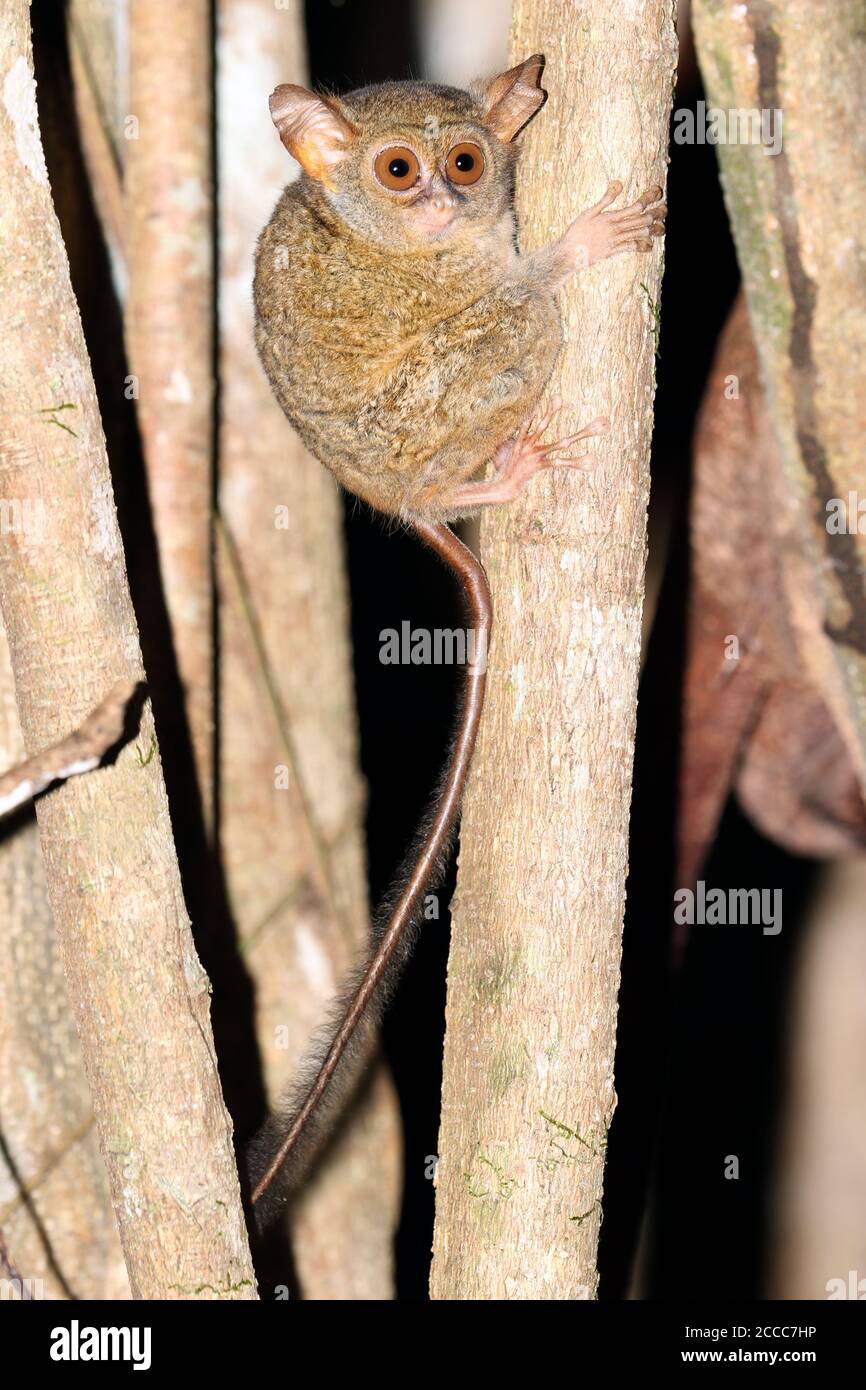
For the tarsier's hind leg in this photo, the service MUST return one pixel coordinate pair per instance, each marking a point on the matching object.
(471, 386)
(519, 459)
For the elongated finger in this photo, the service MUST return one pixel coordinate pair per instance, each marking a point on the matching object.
(610, 195)
(540, 422)
(600, 425)
(652, 195)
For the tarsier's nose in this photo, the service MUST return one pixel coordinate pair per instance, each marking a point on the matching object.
(436, 207)
(441, 199)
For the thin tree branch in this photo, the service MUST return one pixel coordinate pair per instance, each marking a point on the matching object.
(169, 327)
(100, 151)
(80, 751)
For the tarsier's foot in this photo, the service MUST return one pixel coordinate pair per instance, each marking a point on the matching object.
(519, 459)
(599, 233)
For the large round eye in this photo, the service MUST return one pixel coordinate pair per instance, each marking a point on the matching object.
(396, 167)
(465, 163)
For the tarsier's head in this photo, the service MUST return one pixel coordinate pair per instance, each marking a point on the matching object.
(411, 164)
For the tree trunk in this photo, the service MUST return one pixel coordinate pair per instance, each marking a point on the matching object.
(799, 222)
(55, 1206)
(528, 1089)
(139, 995)
(169, 319)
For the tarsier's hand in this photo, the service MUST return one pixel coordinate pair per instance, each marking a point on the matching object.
(599, 232)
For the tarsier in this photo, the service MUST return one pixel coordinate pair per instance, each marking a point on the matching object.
(409, 344)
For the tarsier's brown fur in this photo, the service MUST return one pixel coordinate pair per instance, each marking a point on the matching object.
(409, 344)
(405, 362)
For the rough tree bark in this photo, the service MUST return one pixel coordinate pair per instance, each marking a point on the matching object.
(55, 1206)
(139, 995)
(292, 802)
(100, 84)
(169, 316)
(55, 1203)
(799, 222)
(528, 1089)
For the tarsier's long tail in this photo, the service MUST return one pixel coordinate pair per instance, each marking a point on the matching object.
(281, 1153)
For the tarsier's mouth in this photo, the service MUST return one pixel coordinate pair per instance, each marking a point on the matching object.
(434, 220)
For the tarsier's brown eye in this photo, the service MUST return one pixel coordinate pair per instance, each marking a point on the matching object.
(465, 163)
(396, 167)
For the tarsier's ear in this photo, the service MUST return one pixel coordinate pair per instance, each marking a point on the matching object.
(511, 100)
(311, 128)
